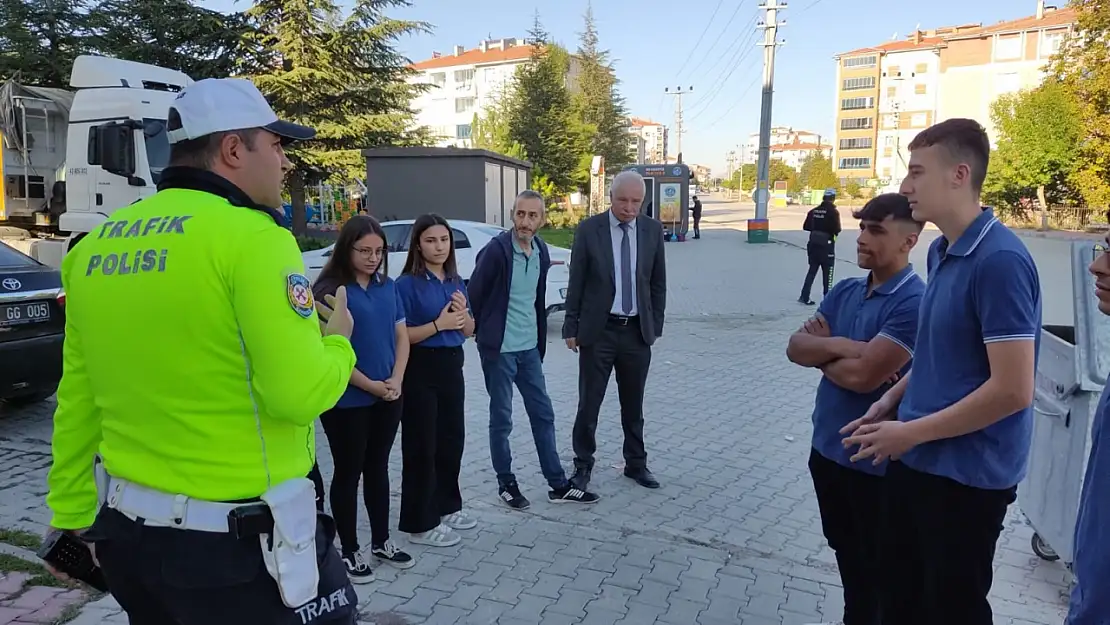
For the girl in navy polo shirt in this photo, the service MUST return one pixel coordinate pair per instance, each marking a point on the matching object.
(438, 318)
(362, 426)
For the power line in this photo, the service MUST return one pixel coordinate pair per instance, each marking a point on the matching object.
(700, 38)
(738, 101)
(713, 45)
(742, 53)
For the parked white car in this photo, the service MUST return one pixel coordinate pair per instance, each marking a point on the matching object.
(470, 238)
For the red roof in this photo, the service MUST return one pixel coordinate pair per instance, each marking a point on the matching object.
(477, 57)
(637, 121)
(1054, 18)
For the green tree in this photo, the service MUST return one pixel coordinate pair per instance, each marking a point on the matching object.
(779, 170)
(852, 189)
(541, 119)
(339, 74)
(1083, 66)
(817, 172)
(39, 39)
(1038, 144)
(176, 34)
(597, 101)
(490, 130)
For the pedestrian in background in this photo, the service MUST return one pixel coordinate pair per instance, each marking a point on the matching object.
(861, 339)
(696, 209)
(1090, 596)
(202, 405)
(958, 427)
(363, 424)
(616, 300)
(438, 318)
(507, 291)
(823, 225)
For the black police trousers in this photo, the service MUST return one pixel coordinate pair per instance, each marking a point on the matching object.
(821, 257)
(166, 576)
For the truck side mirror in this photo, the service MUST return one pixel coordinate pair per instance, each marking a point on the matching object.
(115, 148)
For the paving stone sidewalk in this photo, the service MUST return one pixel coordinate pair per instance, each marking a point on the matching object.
(732, 537)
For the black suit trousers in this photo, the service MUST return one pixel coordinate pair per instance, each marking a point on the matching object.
(621, 348)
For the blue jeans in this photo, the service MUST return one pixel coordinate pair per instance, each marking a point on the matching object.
(526, 371)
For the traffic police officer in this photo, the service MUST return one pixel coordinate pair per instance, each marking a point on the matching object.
(194, 366)
(823, 225)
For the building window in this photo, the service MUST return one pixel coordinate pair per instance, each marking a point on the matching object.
(893, 71)
(891, 92)
(439, 79)
(1007, 83)
(860, 62)
(462, 131)
(888, 152)
(856, 143)
(852, 104)
(1007, 48)
(851, 84)
(856, 123)
(886, 172)
(855, 162)
(919, 89)
(888, 140)
(464, 79)
(919, 120)
(922, 68)
(464, 105)
(1051, 42)
(489, 74)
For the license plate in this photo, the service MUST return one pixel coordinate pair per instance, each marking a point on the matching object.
(24, 312)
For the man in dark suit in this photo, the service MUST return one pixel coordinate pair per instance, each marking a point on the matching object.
(614, 312)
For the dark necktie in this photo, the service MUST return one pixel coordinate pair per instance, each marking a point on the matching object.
(626, 271)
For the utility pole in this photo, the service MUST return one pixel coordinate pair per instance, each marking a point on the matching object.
(678, 93)
(758, 229)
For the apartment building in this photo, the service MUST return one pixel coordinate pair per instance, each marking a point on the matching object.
(465, 82)
(784, 139)
(649, 139)
(888, 93)
(909, 77)
(979, 65)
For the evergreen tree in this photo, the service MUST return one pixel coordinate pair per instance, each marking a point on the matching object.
(598, 103)
(817, 172)
(540, 116)
(340, 75)
(40, 38)
(176, 34)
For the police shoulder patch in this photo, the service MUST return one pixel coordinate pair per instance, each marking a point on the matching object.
(299, 291)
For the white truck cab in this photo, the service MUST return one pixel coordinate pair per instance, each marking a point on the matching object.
(115, 150)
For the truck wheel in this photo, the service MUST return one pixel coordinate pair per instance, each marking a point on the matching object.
(26, 400)
(1041, 548)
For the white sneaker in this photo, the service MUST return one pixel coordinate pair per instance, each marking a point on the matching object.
(439, 536)
(460, 521)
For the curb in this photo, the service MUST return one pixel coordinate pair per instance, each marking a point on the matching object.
(802, 247)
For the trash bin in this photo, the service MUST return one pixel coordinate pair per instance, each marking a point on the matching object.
(1071, 372)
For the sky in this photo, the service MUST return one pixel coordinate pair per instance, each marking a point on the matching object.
(705, 44)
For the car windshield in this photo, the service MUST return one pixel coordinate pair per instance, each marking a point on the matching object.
(157, 147)
(10, 257)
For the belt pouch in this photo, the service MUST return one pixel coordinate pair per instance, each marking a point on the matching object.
(290, 552)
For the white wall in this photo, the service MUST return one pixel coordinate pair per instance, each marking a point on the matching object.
(905, 102)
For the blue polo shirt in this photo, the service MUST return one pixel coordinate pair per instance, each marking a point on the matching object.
(889, 311)
(377, 310)
(1090, 597)
(983, 288)
(424, 298)
(520, 317)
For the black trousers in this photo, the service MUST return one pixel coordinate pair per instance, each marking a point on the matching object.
(620, 348)
(433, 431)
(697, 224)
(318, 481)
(361, 440)
(821, 257)
(938, 553)
(166, 576)
(850, 502)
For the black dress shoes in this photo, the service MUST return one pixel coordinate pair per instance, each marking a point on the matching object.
(642, 476)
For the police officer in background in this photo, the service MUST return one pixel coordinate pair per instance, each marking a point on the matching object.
(194, 366)
(823, 225)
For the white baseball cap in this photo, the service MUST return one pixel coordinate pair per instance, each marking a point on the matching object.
(223, 104)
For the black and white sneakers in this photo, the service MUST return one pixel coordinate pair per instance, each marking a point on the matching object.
(388, 552)
(571, 494)
(510, 494)
(357, 568)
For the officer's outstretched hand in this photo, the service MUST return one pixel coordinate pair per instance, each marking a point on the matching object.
(337, 318)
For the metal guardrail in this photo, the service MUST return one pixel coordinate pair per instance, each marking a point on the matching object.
(1059, 218)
